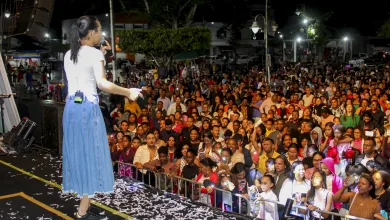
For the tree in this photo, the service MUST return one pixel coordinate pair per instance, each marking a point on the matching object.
(384, 30)
(166, 13)
(163, 44)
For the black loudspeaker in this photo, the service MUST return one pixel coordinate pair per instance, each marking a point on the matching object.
(52, 125)
(32, 19)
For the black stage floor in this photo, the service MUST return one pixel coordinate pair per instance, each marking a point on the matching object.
(30, 189)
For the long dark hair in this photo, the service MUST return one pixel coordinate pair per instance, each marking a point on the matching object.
(372, 183)
(80, 30)
(291, 174)
(312, 190)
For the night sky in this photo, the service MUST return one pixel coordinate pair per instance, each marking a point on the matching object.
(365, 16)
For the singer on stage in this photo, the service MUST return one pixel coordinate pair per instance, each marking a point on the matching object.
(87, 167)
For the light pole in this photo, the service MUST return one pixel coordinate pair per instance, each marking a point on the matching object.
(345, 39)
(7, 14)
(255, 28)
(112, 41)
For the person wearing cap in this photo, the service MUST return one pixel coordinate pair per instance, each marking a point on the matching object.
(168, 131)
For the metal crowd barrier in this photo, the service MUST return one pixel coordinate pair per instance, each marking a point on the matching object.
(180, 186)
(331, 214)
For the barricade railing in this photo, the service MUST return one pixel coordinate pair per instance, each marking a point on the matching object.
(181, 186)
(331, 214)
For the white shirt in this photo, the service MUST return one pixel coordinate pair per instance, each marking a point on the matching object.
(142, 155)
(320, 200)
(81, 75)
(365, 160)
(307, 99)
(268, 210)
(172, 109)
(291, 187)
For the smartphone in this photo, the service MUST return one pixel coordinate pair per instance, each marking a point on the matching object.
(227, 207)
(370, 134)
(224, 160)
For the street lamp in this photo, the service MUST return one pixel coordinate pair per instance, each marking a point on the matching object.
(345, 38)
(47, 35)
(299, 39)
(281, 36)
(255, 26)
(7, 13)
(305, 21)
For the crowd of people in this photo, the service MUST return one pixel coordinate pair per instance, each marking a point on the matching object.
(315, 135)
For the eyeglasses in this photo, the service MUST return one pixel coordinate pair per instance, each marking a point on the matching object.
(225, 175)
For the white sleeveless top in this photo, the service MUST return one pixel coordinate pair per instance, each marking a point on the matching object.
(81, 75)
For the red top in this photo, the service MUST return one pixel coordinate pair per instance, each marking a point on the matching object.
(214, 179)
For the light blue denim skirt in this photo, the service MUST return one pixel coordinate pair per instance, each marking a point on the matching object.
(86, 167)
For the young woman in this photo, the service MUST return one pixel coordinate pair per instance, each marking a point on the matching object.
(83, 123)
(181, 162)
(195, 143)
(337, 148)
(328, 136)
(292, 154)
(382, 181)
(350, 119)
(207, 146)
(159, 142)
(363, 203)
(318, 197)
(358, 137)
(206, 173)
(333, 182)
(296, 186)
(172, 149)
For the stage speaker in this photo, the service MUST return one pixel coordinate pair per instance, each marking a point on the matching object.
(52, 125)
(32, 19)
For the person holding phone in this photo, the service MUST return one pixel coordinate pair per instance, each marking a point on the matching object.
(295, 186)
(87, 166)
(362, 203)
(318, 197)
